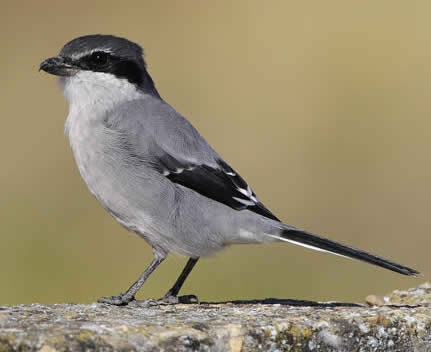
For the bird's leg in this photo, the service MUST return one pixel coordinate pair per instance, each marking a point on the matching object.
(125, 298)
(172, 295)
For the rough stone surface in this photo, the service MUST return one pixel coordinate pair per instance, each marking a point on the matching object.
(402, 323)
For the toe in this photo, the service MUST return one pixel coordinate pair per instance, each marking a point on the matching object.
(169, 299)
(188, 299)
(120, 300)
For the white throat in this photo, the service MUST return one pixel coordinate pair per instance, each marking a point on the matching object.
(91, 94)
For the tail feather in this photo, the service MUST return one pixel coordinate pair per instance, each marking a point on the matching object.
(318, 243)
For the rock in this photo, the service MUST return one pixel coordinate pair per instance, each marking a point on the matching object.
(373, 300)
(417, 295)
(402, 323)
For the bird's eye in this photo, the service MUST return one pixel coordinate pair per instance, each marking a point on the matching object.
(99, 58)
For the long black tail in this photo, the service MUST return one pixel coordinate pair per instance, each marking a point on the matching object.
(312, 241)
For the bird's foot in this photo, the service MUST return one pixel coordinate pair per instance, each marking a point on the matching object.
(172, 299)
(121, 300)
(146, 303)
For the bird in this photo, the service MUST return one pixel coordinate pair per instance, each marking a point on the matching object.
(153, 171)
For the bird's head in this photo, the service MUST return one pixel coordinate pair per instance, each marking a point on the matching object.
(101, 59)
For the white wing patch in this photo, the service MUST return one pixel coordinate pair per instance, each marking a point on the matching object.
(216, 181)
(249, 194)
(244, 201)
(166, 172)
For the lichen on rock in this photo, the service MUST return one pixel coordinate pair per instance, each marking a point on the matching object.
(401, 323)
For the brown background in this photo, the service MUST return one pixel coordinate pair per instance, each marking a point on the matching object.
(323, 106)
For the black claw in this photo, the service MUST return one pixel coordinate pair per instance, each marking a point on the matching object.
(189, 299)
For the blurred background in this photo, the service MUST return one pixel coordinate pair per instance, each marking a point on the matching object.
(324, 107)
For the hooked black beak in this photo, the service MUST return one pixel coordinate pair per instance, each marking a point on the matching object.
(59, 66)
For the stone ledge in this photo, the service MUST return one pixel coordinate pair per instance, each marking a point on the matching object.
(278, 325)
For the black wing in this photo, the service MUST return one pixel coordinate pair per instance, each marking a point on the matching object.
(153, 134)
(220, 183)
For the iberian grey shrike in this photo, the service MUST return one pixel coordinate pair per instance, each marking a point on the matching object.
(154, 173)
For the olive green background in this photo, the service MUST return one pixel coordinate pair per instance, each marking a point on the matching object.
(323, 106)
